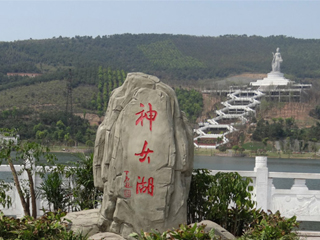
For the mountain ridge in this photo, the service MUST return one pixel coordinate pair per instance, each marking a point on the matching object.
(181, 58)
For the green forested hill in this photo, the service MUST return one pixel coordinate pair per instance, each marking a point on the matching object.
(99, 65)
(170, 57)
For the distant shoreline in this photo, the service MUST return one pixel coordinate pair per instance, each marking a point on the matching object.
(286, 156)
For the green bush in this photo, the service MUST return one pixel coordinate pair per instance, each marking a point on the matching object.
(269, 226)
(84, 193)
(49, 227)
(53, 190)
(223, 198)
(191, 232)
(197, 205)
(5, 200)
(185, 232)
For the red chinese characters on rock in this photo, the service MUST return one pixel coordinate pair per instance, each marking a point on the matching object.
(143, 187)
(127, 191)
(126, 180)
(144, 153)
(149, 115)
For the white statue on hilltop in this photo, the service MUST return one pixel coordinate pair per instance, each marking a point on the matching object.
(277, 59)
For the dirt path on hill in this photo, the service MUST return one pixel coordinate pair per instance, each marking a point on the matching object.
(209, 103)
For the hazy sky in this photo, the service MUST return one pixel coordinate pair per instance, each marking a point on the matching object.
(21, 20)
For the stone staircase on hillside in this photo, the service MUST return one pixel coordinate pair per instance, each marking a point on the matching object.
(240, 104)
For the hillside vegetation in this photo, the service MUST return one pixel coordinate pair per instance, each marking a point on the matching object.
(39, 111)
(94, 67)
(45, 96)
(178, 58)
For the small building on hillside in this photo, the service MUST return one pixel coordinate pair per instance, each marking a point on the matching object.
(32, 75)
(5, 138)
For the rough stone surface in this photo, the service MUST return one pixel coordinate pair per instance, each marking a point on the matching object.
(106, 236)
(84, 221)
(143, 158)
(218, 230)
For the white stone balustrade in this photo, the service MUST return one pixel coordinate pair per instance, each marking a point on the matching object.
(298, 201)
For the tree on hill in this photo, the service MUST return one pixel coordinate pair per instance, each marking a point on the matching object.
(191, 102)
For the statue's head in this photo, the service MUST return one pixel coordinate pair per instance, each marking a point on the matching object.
(278, 49)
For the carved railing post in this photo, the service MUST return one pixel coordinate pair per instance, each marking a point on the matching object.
(262, 189)
(299, 185)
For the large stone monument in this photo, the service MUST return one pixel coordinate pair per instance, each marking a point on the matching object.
(143, 158)
(275, 77)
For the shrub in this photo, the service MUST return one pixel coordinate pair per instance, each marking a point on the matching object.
(89, 143)
(185, 232)
(50, 226)
(197, 205)
(223, 198)
(191, 232)
(269, 226)
(53, 190)
(222, 148)
(5, 200)
(84, 193)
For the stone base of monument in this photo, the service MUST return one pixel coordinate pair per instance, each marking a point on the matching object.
(273, 78)
(106, 236)
(86, 222)
(218, 230)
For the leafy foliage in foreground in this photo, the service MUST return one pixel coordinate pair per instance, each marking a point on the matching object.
(266, 226)
(84, 194)
(225, 198)
(185, 232)
(53, 191)
(211, 196)
(27, 155)
(50, 226)
(269, 226)
(5, 200)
